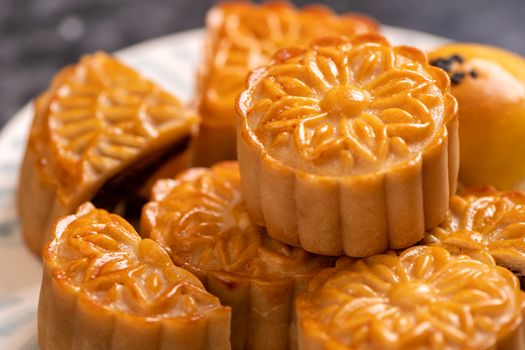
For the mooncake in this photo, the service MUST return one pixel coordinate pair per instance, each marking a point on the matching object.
(348, 146)
(101, 132)
(105, 288)
(199, 217)
(489, 84)
(484, 219)
(242, 36)
(423, 298)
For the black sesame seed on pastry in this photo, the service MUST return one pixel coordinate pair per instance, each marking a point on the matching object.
(489, 84)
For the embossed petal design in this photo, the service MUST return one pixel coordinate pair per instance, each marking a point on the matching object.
(425, 298)
(244, 36)
(348, 146)
(99, 128)
(106, 288)
(485, 219)
(101, 115)
(103, 257)
(200, 218)
(365, 103)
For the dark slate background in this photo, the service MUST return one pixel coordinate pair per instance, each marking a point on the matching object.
(39, 36)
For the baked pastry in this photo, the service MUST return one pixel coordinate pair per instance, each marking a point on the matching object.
(348, 146)
(242, 36)
(425, 298)
(489, 84)
(200, 219)
(99, 133)
(106, 288)
(487, 220)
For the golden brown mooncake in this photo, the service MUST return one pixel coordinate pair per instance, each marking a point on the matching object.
(99, 133)
(200, 219)
(242, 36)
(348, 146)
(485, 219)
(489, 84)
(424, 299)
(106, 288)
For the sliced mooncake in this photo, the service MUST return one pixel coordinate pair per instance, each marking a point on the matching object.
(99, 133)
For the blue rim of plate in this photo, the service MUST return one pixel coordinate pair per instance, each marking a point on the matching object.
(170, 61)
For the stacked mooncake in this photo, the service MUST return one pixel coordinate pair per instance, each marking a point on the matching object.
(338, 226)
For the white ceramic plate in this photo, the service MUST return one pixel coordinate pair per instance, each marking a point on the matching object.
(171, 61)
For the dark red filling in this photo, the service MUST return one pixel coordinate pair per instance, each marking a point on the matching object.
(121, 193)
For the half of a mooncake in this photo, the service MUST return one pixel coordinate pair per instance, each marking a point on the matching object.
(106, 288)
(99, 133)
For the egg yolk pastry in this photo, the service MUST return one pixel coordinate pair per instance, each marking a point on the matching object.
(105, 288)
(199, 217)
(489, 84)
(348, 146)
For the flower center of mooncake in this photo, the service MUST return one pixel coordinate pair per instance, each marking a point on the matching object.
(345, 100)
(411, 294)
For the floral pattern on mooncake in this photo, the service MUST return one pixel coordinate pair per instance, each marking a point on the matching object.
(423, 298)
(348, 108)
(104, 279)
(100, 132)
(200, 218)
(488, 220)
(341, 122)
(244, 36)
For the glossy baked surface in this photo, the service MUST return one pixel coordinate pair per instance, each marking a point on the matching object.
(105, 288)
(425, 298)
(346, 107)
(199, 216)
(242, 36)
(348, 146)
(97, 117)
(488, 220)
(489, 84)
(101, 257)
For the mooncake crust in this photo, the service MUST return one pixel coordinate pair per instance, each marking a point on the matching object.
(200, 219)
(98, 119)
(348, 146)
(242, 36)
(423, 298)
(104, 287)
(488, 220)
